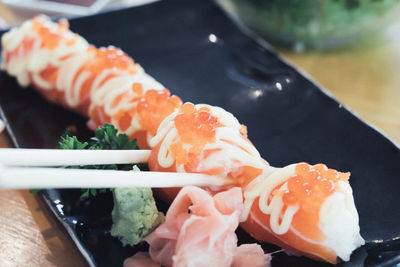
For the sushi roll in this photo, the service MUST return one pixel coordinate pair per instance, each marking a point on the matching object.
(306, 209)
(34, 51)
(131, 110)
(103, 84)
(205, 139)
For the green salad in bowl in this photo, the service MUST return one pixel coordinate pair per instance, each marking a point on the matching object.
(316, 24)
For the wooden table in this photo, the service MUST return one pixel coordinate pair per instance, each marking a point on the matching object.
(366, 80)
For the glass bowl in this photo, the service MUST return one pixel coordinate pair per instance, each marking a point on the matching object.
(318, 24)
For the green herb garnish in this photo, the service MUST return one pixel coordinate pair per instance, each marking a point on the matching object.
(106, 137)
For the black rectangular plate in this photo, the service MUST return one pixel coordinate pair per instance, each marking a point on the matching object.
(289, 118)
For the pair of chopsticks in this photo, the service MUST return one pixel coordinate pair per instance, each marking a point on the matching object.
(32, 168)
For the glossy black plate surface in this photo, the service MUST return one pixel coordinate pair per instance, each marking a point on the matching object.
(199, 54)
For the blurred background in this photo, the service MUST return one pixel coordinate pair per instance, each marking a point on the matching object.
(13, 12)
(310, 24)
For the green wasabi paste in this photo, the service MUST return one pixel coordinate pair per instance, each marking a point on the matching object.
(134, 215)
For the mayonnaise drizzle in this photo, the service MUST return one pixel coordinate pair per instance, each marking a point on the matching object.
(263, 187)
(69, 59)
(234, 151)
(104, 95)
(229, 154)
(38, 58)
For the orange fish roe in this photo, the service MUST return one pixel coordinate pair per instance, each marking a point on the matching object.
(311, 185)
(107, 58)
(101, 59)
(154, 107)
(196, 128)
(51, 38)
(309, 188)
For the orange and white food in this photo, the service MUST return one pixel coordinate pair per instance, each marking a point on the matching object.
(308, 209)
(205, 139)
(103, 84)
(300, 207)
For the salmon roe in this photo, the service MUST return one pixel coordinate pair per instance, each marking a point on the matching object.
(308, 188)
(103, 58)
(154, 107)
(51, 38)
(196, 128)
(109, 57)
(311, 185)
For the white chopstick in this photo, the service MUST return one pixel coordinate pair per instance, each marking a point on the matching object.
(20, 178)
(65, 157)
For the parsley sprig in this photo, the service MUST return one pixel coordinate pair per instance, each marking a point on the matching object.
(106, 137)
